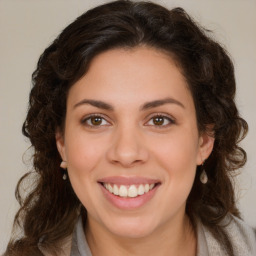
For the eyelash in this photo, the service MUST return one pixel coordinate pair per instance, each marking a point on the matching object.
(89, 118)
(169, 119)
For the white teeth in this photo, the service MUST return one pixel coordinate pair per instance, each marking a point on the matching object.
(141, 190)
(123, 191)
(109, 188)
(128, 191)
(116, 190)
(132, 191)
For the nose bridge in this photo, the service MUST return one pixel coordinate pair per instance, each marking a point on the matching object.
(127, 147)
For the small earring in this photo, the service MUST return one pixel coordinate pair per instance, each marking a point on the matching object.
(64, 177)
(203, 175)
(64, 166)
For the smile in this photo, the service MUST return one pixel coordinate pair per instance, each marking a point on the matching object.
(131, 191)
(128, 193)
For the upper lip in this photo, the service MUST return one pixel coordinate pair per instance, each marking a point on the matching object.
(122, 180)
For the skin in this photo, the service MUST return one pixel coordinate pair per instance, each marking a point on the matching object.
(130, 143)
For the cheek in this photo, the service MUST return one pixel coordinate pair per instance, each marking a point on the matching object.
(83, 153)
(177, 152)
(83, 156)
(177, 156)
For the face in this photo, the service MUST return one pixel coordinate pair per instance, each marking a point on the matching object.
(131, 141)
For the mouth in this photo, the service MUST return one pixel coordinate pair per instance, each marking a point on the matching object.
(128, 191)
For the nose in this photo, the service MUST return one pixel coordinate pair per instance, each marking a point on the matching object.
(128, 148)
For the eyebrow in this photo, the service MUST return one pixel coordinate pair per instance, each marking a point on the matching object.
(145, 106)
(95, 103)
(157, 103)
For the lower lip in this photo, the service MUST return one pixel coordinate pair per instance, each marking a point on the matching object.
(128, 203)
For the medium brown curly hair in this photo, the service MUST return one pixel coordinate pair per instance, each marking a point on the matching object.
(48, 213)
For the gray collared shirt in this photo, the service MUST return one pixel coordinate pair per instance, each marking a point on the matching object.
(242, 237)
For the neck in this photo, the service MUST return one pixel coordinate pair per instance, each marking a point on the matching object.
(177, 239)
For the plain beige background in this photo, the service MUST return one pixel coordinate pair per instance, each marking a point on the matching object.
(28, 26)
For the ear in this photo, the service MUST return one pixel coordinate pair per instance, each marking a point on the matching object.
(59, 137)
(206, 143)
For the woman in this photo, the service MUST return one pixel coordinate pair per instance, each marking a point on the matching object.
(135, 135)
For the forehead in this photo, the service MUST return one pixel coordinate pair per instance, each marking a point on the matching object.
(140, 73)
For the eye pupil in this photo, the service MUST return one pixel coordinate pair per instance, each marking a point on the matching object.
(96, 120)
(158, 120)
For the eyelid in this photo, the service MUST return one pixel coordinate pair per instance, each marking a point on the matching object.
(149, 117)
(87, 117)
(164, 115)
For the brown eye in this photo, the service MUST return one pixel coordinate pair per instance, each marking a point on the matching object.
(96, 120)
(158, 120)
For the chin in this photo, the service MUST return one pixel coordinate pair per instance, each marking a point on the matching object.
(132, 229)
